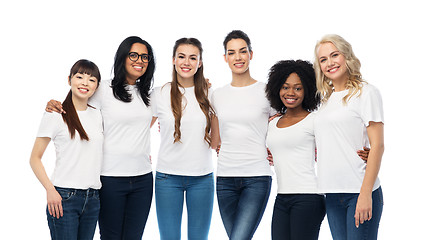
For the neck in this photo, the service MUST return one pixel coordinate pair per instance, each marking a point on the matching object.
(242, 80)
(131, 81)
(186, 82)
(296, 112)
(80, 104)
(340, 84)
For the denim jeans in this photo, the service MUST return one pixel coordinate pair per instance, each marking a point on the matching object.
(125, 205)
(242, 201)
(169, 193)
(340, 209)
(298, 216)
(80, 214)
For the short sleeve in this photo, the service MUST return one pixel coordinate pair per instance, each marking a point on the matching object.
(49, 125)
(371, 107)
(96, 99)
(153, 101)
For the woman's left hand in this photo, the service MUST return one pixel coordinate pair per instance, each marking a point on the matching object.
(363, 209)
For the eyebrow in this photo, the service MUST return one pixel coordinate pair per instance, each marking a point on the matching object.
(233, 50)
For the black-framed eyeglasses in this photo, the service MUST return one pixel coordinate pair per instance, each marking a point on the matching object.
(133, 56)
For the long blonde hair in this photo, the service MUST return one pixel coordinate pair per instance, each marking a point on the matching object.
(200, 89)
(354, 83)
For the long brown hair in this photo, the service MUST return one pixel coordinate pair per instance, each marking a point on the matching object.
(200, 89)
(71, 117)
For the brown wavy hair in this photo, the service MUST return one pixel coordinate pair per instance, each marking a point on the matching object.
(200, 89)
(71, 117)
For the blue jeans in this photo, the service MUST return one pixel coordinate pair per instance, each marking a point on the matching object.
(242, 201)
(340, 209)
(298, 216)
(170, 191)
(80, 214)
(125, 205)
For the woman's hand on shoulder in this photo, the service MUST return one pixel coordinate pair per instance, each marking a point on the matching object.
(54, 106)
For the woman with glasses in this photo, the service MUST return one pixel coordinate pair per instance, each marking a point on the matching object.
(126, 175)
(184, 165)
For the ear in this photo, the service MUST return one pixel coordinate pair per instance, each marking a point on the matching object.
(173, 60)
(201, 64)
(251, 55)
(224, 57)
(69, 80)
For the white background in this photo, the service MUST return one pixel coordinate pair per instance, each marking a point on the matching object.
(40, 40)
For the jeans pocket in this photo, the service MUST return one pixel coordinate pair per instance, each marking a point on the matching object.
(65, 193)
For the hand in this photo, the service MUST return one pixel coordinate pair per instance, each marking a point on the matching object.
(274, 116)
(269, 157)
(218, 150)
(54, 203)
(364, 154)
(54, 106)
(363, 209)
(208, 83)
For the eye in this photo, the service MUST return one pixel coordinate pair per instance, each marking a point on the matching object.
(298, 89)
(322, 60)
(194, 58)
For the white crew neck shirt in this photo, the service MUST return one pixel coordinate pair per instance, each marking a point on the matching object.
(340, 132)
(78, 162)
(293, 150)
(126, 132)
(191, 156)
(243, 114)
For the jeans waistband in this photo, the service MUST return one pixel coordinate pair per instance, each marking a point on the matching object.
(84, 192)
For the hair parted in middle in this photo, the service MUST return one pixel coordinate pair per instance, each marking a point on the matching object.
(237, 34)
(144, 83)
(200, 88)
(324, 84)
(277, 77)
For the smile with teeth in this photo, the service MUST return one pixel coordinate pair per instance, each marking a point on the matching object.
(83, 90)
(334, 69)
(138, 68)
(239, 65)
(290, 100)
(185, 69)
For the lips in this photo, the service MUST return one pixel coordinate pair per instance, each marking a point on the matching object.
(184, 69)
(332, 70)
(137, 68)
(83, 90)
(290, 100)
(239, 65)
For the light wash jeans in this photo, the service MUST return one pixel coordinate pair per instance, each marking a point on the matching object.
(170, 191)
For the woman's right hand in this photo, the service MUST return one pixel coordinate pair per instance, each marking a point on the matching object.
(54, 106)
(54, 203)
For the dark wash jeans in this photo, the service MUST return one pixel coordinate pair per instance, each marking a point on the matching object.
(80, 215)
(125, 205)
(298, 216)
(242, 201)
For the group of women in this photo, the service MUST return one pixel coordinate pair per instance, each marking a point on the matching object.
(107, 158)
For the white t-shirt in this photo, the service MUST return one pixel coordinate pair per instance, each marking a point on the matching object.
(78, 162)
(340, 131)
(243, 114)
(293, 150)
(126, 132)
(191, 156)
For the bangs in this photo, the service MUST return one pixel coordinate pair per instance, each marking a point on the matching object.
(85, 67)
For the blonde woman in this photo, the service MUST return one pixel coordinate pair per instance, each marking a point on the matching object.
(351, 114)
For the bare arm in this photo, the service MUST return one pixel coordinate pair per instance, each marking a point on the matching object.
(215, 135)
(153, 120)
(364, 203)
(54, 200)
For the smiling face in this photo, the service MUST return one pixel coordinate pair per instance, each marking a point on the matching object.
(83, 86)
(238, 56)
(292, 92)
(135, 70)
(332, 63)
(186, 61)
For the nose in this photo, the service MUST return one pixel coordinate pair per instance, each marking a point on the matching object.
(85, 81)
